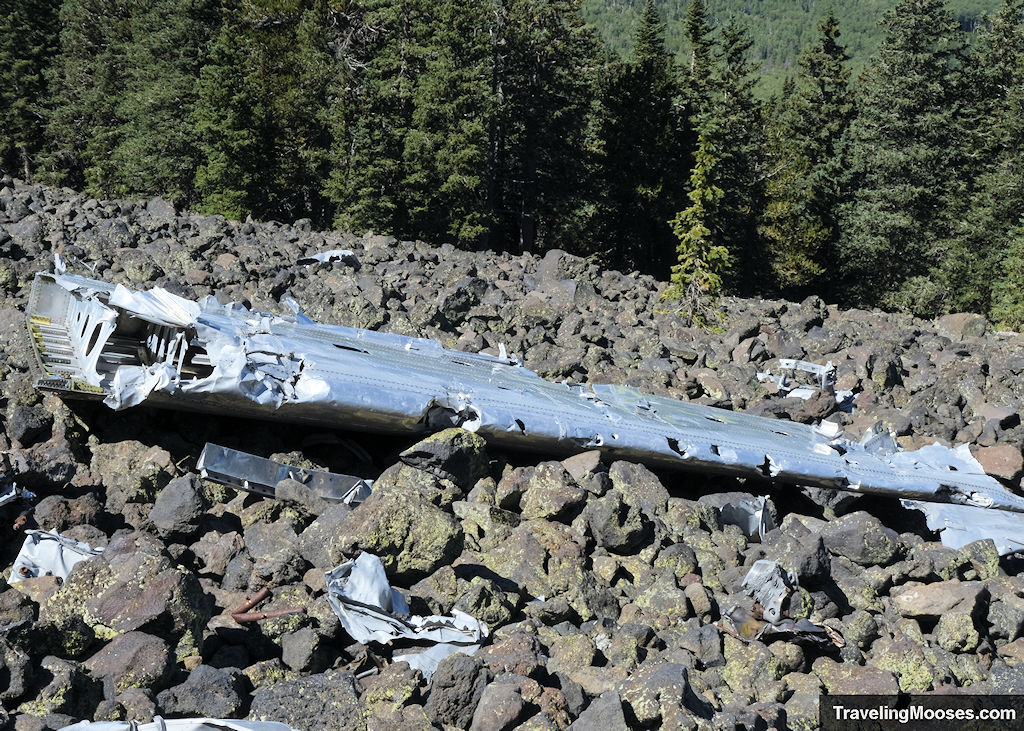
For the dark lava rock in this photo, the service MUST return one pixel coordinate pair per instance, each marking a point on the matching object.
(455, 690)
(329, 699)
(207, 692)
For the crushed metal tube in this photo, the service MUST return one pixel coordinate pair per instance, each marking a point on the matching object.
(371, 611)
(345, 256)
(180, 724)
(96, 340)
(261, 476)
(47, 553)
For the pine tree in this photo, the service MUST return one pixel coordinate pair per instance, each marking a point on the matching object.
(156, 153)
(798, 224)
(733, 127)
(83, 125)
(640, 140)
(447, 146)
(543, 56)
(368, 169)
(996, 169)
(228, 122)
(903, 160)
(28, 40)
(701, 61)
(1008, 290)
(696, 279)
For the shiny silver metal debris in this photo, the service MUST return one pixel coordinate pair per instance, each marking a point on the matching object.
(371, 611)
(96, 340)
(259, 475)
(48, 553)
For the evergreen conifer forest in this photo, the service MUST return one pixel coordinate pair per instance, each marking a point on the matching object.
(514, 125)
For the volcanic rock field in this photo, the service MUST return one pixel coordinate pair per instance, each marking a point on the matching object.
(604, 585)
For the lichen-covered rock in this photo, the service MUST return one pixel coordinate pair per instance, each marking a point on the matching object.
(862, 538)
(207, 692)
(133, 585)
(455, 690)
(131, 472)
(411, 535)
(453, 454)
(178, 507)
(551, 493)
(68, 689)
(133, 660)
(330, 698)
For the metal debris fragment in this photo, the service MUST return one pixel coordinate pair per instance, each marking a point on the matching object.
(823, 375)
(259, 475)
(11, 492)
(94, 340)
(770, 585)
(371, 611)
(180, 724)
(749, 512)
(47, 553)
(345, 256)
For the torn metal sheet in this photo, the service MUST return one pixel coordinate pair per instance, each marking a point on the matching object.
(823, 375)
(259, 475)
(95, 340)
(371, 611)
(180, 724)
(770, 585)
(749, 512)
(958, 525)
(47, 553)
(345, 256)
(11, 492)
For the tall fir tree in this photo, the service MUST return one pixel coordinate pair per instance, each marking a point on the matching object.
(447, 146)
(903, 158)
(698, 72)
(640, 139)
(798, 225)
(28, 41)
(732, 125)
(701, 262)
(87, 83)
(542, 64)
(156, 152)
(368, 168)
(996, 168)
(229, 122)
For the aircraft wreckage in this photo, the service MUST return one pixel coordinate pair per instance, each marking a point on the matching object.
(101, 341)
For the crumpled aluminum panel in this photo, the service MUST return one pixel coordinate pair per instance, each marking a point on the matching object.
(48, 553)
(225, 359)
(370, 610)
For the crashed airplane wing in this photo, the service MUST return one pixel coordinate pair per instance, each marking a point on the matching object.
(97, 340)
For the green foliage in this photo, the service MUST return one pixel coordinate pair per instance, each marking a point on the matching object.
(798, 223)
(1008, 295)
(155, 152)
(696, 280)
(228, 121)
(639, 143)
(903, 160)
(996, 171)
(732, 124)
(780, 29)
(86, 80)
(28, 39)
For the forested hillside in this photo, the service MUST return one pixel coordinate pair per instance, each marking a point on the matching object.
(509, 125)
(779, 29)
